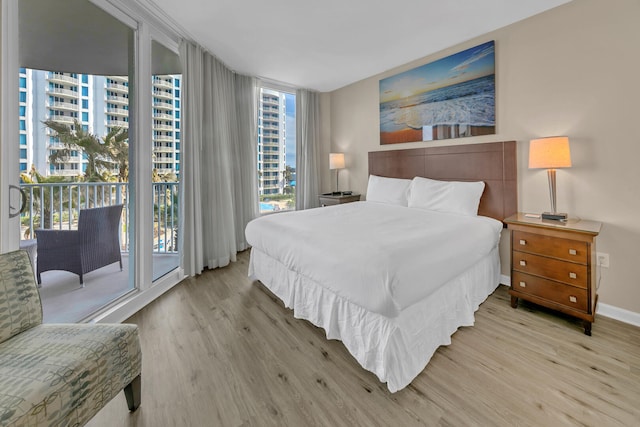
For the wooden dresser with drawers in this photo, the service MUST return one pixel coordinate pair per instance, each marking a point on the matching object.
(553, 264)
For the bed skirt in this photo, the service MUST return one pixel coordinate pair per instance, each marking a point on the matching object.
(395, 349)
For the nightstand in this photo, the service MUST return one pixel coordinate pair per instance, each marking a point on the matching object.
(330, 199)
(553, 264)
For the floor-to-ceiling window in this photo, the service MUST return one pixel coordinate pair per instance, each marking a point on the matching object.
(166, 84)
(276, 150)
(74, 145)
(81, 139)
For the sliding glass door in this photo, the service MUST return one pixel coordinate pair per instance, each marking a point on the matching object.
(166, 85)
(74, 151)
(90, 118)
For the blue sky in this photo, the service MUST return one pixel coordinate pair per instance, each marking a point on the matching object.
(290, 100)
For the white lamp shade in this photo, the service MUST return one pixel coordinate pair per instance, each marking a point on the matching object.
(549, 153)
(336, 161)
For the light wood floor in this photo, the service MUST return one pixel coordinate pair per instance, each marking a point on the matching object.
(219, 350)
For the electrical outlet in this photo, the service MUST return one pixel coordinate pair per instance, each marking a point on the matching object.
(603, 259)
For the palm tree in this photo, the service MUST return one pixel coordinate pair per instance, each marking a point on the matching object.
(117, 145)
(75, 138)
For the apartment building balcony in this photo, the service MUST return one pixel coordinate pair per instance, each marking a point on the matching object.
(162, 126)
(162, 94)
(162, 138)
(118, 112)
(65, 106)
(62, 92)
(61, 78)
(118, 123)
(63, 119)
(163, 116)
(116, 87)
(62, 297)
(163, 149)
(158, 82)
(66, 172)
(122, 100)
(163, 105)
(164, 171)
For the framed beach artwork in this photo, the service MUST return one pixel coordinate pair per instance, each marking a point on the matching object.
(452, 97)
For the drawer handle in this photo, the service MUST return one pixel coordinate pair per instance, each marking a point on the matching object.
(523, 284)
(573, 275)
(523, 242)
(573, 252)
(523, 263)
(573, 299)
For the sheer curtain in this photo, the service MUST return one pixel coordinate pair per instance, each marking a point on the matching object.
(307, 149)
(218, 184)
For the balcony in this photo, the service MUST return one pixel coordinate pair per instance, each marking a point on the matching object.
(118, 112)
(63, 119)
(162, 94)
(158, 82)
(163, 116)
(62, 92)
(118, 123)
(163, 105)
(63, 106)
(59, 77)
(118, 100)
(115, 87)
(57, 206)
(163, 138)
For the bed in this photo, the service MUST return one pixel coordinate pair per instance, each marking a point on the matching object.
(394, 277)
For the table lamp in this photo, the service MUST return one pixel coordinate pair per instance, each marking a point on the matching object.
(550, 153)
(336, 161)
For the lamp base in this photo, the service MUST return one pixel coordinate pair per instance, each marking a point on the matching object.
(556, 216)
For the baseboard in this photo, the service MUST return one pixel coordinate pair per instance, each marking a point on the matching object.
(505, 280)
(605, 310)
(617, 313)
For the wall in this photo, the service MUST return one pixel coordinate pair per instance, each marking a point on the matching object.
(570, 71)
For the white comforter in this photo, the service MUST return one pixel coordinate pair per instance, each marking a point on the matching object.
(380, 257)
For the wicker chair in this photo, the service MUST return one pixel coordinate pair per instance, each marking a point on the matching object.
(95, 244)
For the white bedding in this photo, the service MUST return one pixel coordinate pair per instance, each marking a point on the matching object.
(363, 272)
(381, 257)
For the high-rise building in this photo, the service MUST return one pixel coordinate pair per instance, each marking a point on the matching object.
(99, 104)
(271, 142)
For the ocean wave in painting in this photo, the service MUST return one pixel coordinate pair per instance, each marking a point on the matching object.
(469, 103)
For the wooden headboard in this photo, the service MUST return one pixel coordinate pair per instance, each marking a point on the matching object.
(494, 163)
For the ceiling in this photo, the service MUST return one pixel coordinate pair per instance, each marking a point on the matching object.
(328, 44)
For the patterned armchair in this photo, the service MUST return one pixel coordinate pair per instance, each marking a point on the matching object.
(95, 244)
(58, 374)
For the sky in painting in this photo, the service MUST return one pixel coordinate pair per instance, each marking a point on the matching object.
(290, 105)
(457, 68)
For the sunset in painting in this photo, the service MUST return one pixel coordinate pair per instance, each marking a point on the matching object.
(449, 98)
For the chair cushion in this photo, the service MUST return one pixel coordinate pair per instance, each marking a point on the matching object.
(64, 374)
(20, 307)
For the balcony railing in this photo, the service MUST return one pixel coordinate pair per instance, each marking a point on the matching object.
(57, 206)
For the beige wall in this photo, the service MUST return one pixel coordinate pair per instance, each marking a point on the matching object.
(575, 71)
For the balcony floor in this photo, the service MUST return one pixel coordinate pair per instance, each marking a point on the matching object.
(64, 301)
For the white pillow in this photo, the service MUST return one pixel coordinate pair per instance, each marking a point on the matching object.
(446, 196)
(393, 191)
